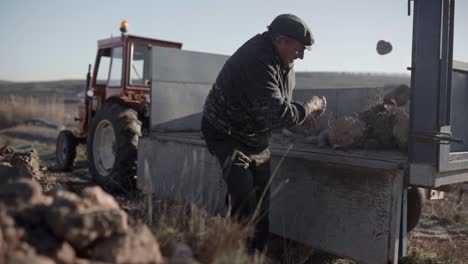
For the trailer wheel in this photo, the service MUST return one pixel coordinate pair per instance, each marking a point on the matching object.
(65, 150)
(416, 202)
(112, 147)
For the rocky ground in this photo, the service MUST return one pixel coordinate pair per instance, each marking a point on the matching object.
(44, 222)
(48, 216)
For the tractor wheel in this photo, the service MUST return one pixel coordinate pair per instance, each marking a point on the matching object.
(65, 150)
(112, 147)
(416, 202)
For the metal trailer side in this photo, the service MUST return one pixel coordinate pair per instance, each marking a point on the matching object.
(342, 203)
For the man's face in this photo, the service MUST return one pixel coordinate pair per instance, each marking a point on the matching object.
(289, 50)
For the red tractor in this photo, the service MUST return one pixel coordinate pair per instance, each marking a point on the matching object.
(114, 110)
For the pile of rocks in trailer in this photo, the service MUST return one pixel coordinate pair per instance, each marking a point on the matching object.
(59, 226)
(384, 125)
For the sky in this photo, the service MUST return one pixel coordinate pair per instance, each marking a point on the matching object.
(56, 39)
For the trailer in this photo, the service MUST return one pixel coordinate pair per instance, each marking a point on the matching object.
(350, 203)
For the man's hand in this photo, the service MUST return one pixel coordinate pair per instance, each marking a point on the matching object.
(317, 106)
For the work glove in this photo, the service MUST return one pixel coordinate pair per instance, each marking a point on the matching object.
(317, 106)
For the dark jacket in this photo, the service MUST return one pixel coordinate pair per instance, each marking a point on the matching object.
(252, 95)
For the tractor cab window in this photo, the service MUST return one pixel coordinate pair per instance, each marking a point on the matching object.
(110, 67)
(140, 65)
(115, 76)
(103, 71)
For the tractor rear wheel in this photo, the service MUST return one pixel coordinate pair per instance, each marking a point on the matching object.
(112, 147)
(65, 150)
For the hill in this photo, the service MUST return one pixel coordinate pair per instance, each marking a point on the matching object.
(65, 88)
(321, 80)
(69, 88)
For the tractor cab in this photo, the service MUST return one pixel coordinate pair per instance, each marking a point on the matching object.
(121, 72)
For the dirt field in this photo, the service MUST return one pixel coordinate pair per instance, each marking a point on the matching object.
(441, 236)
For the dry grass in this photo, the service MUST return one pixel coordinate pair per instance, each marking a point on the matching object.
(434, 251)
(452, 208)
(15, 110)
(417, 257)
(216, 239)
(35, 132)
(213, 239)
(24, 137)
(46, 150)
(442, 235)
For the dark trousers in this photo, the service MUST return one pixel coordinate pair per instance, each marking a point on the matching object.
(246, 172)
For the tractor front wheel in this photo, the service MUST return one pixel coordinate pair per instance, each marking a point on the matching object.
(65, 150)
(112, 147)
